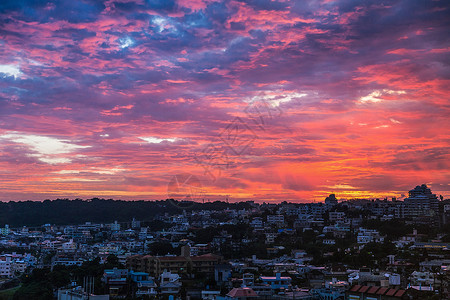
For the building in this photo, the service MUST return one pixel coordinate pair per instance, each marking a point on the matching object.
(79, 294)
(277, 281)
(422, 279)
(183, 264)
(222, 273)
(135, 224)
(363, 292)
(116, 281)
(175, 264)
(421, 202)
(144, 284)
(199, 249)
(270, 237)
(170, 283)
(331, 201)
(329, 242)
(275, 219)
(6, 267)
(67, 261)
(329, 293)
(369, 235)
(5, 230)
(115, 226)
(210, 295)
(242, 293)
(257, 222)
(336, 216)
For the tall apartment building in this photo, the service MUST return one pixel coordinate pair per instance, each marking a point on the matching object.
(5, 267)
(331, 201)
(185, 263)
(421, 202)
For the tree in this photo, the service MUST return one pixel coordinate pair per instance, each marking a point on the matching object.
(161, 248)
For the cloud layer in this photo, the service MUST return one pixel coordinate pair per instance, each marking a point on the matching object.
(259, 99)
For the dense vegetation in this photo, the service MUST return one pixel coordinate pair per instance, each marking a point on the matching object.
(65, 211)
(41, 284)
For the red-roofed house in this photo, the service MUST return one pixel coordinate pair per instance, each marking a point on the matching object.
(242, 293)
(358, 292)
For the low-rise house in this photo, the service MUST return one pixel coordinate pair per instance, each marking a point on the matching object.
(285, 267)
(144, 284)
(277, 281)
(358, 292)
(329, 242)
(270, 237)
(257, 222)
(222, 273)
(329, 293)
(369, 235)
(241, 293)
(116, 281)
(78, 293)
(170, 283)
(422, 279)
(334, 216)
(67, 261)
(275, 219)
(210, 295)
(365, 276)
(316, 277)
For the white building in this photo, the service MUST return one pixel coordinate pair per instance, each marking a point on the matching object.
(115, 226)
(169, 283)
(14, 264)
(275, 219)
(257, 223)
(135, 223)
(336, 216)
(369, 235)
(422, 278)
(5, 266)
(5, 230)
(329, 242)
(69, 247)
(19, 266)
(79, 294)
(210, 295)
(421, 202)
(67, 262)
(270, 237)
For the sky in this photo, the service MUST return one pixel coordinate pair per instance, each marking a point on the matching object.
(241, 99)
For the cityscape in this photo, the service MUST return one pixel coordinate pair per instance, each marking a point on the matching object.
(355, 249)
(224, 149)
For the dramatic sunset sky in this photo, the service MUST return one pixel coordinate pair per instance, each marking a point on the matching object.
(260, 100)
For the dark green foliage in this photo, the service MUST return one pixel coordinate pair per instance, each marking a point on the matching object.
(392, 228)
(37, 286)
(65, 211)
(60, 276)
(156, 225)
(42, 283)
(34, 290)
(161, 248)
(372, 255)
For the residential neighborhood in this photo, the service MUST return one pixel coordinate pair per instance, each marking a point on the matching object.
(355, 249)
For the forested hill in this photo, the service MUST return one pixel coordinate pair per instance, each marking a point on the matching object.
(66, 212)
